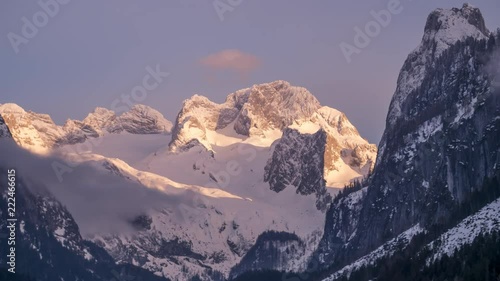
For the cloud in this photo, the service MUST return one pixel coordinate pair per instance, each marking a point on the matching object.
(100, 202)
(232, 60)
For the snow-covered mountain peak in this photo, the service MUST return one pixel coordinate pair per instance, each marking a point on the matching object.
(11, 108)
(100, 118)
(38, 132)
(330, 113)
(21, 126)
(338, 120)
(277, 84)
(447, 26)
(100, 112)
(444, 28)
(291, 97)
(143, 110)
(287, 116)
(250, 112)
(196, 99)
(141, 119)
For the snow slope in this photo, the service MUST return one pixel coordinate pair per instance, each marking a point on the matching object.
(384, 251)
(485, 221)
(219, 224)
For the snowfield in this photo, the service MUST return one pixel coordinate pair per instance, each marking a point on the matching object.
(487, 220)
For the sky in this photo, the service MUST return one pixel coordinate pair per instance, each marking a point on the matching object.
(84, 54)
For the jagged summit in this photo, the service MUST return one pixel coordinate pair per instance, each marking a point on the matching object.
(99, 119)
(253, 112)
(444, 28)
(99, 112)
(38, 132)
(273, 105)
(446, 18)
(447, 26)
(261, 115)
(141, 119)
(11, 108)
(21, 126)
(250, 112)
(439, 148)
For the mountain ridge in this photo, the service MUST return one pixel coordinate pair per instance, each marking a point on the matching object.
(230, 207)
(255, 180)
(265, 111)
(39, 133)
(443, 119)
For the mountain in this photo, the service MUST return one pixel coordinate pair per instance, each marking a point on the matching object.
(245, 190)
(48, 243)
(140, 119)
(250, 112)
(38, 133)
(440, 148)
(298, 161)
(232, 193)
(235, 172)
(21, 127)
(430, 209)
(266, 113)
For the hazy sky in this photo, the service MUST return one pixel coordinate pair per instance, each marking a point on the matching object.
(89, 53)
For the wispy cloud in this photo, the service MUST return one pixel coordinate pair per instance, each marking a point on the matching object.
(232, 60)
(100, 202)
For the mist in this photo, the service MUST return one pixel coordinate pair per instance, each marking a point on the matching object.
(100, 202)
(493, 70)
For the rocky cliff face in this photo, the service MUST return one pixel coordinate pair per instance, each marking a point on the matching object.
(443, 29)
(274, 105)
(4, 130)
(298, 161)
(38, 133)
(441, 140)
(341, 225)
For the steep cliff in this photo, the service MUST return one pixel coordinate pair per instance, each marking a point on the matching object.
(440, 144)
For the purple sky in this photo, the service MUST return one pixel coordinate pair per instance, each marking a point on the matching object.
(91, 52)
